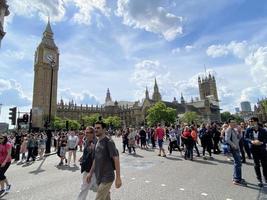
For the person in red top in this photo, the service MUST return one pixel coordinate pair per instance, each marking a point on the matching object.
(160, 133)
(188, 141)
(5, 160)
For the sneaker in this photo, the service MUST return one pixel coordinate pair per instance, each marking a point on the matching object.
(242, 182)
(164, 155)
(2, 192)
(8, 188)
(211, 158)
(204, 158)
(260, 184)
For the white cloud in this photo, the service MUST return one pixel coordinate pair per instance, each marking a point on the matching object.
(217, 51)
(150, 16)
(258, 62)
(57, 9)
(189, 48)
(28, 8)
(12, 54)
(83, 97)
(87, 7)
(11, 94)
(255, 57)
(238, 49)
(176, 50)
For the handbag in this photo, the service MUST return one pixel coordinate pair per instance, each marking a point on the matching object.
(93, 184)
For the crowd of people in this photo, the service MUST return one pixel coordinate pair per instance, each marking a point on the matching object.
(237, 142)
(100, 158)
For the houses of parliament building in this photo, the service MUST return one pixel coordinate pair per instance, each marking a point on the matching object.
(131, 113)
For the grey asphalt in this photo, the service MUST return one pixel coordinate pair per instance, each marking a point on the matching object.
(145, 176)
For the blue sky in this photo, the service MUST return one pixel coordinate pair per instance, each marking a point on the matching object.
(124, 44)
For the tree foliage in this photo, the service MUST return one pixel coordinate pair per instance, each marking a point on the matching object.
(58, 123)
(225, 116)
(264, 104)
(160, 113)
(113, 121)
(90, 120)
(191, 117)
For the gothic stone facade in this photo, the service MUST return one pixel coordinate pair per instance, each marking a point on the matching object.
(131, 113)
(260, 112)
(3, 13)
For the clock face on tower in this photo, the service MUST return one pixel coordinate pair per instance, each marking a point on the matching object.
(49, 57)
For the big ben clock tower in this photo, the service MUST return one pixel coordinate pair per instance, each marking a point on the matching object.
(46, 62)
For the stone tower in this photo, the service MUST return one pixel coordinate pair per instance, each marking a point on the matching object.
(156, 95)
(147, 93)
(46, 60)
(108, 96)
(3, 13)
(207, 87)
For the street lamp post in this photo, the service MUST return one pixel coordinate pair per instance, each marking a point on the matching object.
(52, 63)
(49, 131)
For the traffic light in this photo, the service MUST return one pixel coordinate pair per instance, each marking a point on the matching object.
(25, 118)
(13, 115)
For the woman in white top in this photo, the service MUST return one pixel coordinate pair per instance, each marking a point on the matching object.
(73, 141)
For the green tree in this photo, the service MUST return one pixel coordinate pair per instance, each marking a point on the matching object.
(74, 124)
(58, 123)
(160, 113)
(191, 117)
(225, 116)
(115, 121)
(90, 120)
(264, 104)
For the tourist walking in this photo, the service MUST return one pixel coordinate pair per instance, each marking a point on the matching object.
(72, 147)
(232, 138)
(106, 160)
(131, 140)
(86, 161)
(5, 161)
(160, 134)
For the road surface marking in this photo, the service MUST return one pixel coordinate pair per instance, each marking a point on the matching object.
(204, 194)
(147, 181)
(182, 189)
(133, 178)
(163, 185)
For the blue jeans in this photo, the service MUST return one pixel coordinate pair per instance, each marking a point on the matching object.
(237, 176)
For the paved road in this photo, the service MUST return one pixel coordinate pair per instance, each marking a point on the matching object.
(145, 176)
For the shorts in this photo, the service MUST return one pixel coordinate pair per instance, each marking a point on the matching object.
(3, 171)
(62, 152)
(160, 142)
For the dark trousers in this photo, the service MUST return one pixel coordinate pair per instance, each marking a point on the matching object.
(130, 149)
(216, 148)
(247, 149)
(172, 145)
(125, 144)
(17, 153)
(241, 146)
(153, 142)
(260, 159)
(30, 154)
(189, 150)
(207, 145)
